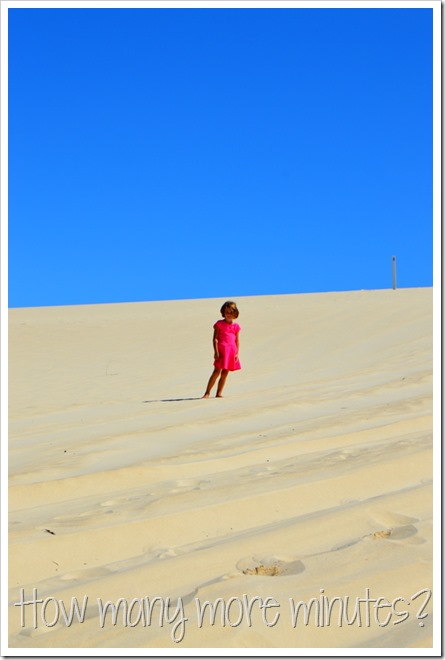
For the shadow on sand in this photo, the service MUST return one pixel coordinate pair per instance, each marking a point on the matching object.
(190, 398)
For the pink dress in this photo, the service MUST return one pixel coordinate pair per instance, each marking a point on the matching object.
(227, 348)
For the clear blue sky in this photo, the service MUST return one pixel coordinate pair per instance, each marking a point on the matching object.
(202, 152)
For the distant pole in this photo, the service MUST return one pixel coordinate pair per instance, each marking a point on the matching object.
(394, 273)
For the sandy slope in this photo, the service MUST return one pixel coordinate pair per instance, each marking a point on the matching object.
(311, 479)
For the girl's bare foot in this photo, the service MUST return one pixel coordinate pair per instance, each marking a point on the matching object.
(206, 396)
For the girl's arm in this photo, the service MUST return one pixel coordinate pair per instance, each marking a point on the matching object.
(215, 343)
(237, 345)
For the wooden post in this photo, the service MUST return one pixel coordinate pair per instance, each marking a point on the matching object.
(394, 273)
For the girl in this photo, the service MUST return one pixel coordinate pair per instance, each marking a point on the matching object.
(226, 348)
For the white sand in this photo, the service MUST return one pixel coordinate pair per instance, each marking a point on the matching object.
(311, 478)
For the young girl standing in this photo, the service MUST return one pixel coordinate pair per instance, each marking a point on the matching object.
(226, 348)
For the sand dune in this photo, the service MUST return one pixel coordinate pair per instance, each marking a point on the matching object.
(310, 479)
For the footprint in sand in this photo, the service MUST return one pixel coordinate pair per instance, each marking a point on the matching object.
(167, 553)
(396, 533)
(270, 566)
(263, 570)
(396, 527)
(119, 501)
(185, 485)
(383, 534)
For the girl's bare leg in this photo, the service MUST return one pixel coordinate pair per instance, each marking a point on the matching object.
(222, 382)
(212, 381)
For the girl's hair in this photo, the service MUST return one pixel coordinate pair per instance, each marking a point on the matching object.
(233, 307)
